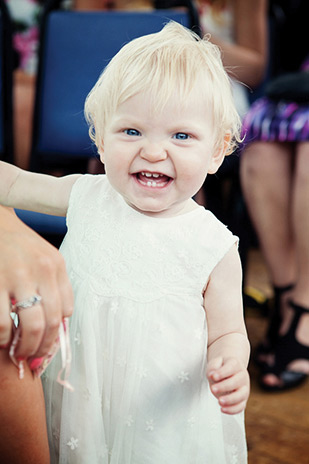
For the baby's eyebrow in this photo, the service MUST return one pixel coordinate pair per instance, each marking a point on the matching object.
(126, 121)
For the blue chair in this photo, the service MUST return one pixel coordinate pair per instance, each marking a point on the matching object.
(74, 49)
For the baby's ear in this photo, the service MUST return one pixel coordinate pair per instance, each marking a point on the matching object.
(101, 151)
(219, 154)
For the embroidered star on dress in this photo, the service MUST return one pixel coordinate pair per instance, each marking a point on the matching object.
(149, 425)
(129, 421)
(73, 443)
(183, 376)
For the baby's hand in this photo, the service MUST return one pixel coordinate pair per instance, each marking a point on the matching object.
(230, 384)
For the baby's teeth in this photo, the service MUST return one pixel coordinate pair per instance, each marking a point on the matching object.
(151, 184)
(149, 174)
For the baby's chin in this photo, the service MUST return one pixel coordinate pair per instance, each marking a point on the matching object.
(159, 211)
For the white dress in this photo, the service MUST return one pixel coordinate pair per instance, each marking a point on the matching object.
(139, 338)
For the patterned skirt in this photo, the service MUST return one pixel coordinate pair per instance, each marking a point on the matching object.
(276, 121)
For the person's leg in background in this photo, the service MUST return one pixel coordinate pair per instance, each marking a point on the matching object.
(266, 178)
(24, 90)
(300, 217)
(276, 189)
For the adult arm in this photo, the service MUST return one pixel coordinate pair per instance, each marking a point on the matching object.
(246, 59)
(23, 437)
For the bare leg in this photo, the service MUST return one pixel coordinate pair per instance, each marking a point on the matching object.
(23, 435)
(24, 88)
(300, 215)
(266, 176)
(300, 295)
(301, 223)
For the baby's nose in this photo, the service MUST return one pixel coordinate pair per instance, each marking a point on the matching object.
(153, 152)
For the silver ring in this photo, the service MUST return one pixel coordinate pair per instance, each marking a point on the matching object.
(28, 303)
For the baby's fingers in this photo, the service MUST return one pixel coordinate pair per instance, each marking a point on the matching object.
(234, 402)
(232, 393)
(230, 384)
(229, 368)
(212, 369)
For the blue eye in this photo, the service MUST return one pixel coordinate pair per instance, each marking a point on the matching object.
(133, 132)
(181, 136)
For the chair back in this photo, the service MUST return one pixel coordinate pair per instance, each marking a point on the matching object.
(75, 48)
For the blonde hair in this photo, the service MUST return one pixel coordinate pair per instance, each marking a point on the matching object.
(172, 60)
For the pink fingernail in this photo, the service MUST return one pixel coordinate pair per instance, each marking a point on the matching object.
(35, 363)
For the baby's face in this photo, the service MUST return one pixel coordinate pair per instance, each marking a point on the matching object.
(158, 160)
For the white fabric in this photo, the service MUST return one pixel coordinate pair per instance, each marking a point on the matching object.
(139, 338)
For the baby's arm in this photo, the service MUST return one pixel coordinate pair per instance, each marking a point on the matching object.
(35, 192)
(228, 345)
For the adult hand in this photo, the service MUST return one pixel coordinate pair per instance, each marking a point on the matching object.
(29, 266)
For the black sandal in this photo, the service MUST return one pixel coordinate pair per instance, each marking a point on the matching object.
(287, 350)
(268, 345)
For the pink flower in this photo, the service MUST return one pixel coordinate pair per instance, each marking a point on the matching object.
(26, 44)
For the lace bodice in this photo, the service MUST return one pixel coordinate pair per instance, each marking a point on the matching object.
(113, 245)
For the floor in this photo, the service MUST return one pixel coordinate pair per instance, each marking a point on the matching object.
(277, 424)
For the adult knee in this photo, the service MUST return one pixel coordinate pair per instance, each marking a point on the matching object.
(253, 165)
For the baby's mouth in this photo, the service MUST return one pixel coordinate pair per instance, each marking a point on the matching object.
(152, 179)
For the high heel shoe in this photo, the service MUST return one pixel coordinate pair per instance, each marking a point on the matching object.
(267, 346)
(287, 350)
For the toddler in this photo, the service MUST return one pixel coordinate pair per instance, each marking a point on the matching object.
(159, 345)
